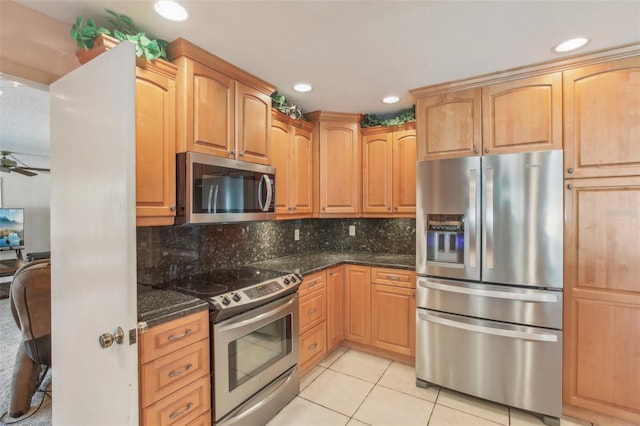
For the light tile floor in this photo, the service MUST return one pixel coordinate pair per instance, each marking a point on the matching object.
(354, 388)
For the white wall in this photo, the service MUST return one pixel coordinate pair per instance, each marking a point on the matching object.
(32, 194)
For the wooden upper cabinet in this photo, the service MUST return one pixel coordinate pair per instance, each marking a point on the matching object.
(602, 119)
(221, 109)
(522, 115)
(449, 125)
(292, 153)
(389, 171)
(155, 145)
(602, 303)
(253, 124)
(340, 164)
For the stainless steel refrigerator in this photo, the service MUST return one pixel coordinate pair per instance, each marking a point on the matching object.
(489, 292)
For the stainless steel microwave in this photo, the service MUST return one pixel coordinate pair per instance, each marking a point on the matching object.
(219, 190)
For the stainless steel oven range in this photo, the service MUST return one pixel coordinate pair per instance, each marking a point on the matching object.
(254, 330)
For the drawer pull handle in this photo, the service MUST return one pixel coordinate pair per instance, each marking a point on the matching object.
(180, 336)
(180, 372)
(180, 413)
(312, 311)
(313, 346)
(312, 283)
(393, 277)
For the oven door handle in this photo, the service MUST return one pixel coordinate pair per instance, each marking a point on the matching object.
(243, 320)
(540, 337)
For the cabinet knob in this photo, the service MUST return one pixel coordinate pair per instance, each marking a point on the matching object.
(476, 151)
(570, 186)
(232, 152)
(172, 207)
(396, 208)
(324, 209)
(570, 170)
(388, 208)
(486, 150)
(242, 154)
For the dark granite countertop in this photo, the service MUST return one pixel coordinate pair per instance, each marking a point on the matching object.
(312, 262)
(156, 306)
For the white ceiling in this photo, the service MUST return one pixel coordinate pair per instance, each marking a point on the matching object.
(352, 52)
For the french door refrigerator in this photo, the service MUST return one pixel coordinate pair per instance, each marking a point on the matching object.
(489, 291)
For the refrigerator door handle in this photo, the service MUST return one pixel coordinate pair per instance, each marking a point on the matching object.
(524, 297)
(488, 218)
(540, 337)
(473, 217)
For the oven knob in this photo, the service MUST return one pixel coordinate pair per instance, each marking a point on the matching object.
(286, 281)
(236, 297)
(293, 279)
(225, 300)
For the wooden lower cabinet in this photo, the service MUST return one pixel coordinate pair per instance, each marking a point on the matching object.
(357, 303)
(174, 372)
(313, 316)
(393, 310)
(601, 364)
(335, 307)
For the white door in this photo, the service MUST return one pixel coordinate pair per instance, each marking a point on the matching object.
(93, 234)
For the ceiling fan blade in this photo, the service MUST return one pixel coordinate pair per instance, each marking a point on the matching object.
(36, 169)
(23, 172)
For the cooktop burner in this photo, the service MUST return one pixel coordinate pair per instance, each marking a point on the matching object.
(221, 281)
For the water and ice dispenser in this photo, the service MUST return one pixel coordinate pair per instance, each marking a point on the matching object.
(445, 238)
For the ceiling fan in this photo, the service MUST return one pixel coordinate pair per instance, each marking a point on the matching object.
(9, 163)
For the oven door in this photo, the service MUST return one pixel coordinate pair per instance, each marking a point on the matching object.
(253, 349)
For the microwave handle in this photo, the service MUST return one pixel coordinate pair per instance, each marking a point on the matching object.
(265, 206)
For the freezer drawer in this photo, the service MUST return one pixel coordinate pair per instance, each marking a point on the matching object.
(540, 308)
(513, 365)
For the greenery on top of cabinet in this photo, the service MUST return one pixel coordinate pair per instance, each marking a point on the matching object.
(280, 103)
(405, 116)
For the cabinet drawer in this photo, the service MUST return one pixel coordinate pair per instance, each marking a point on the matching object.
(171, 336)
(313, 282)
(313, 344)
(394, 277)
(313, 309)
(203, 420)
(181, 407)
(167, 374)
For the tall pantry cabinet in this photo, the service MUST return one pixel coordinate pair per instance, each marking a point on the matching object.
(602, 230)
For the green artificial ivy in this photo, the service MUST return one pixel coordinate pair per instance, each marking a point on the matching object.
(280, 103)
(405, 116)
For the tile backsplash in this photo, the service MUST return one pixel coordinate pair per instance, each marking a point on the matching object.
(170, 252)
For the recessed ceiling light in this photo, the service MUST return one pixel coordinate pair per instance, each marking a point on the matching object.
(570, 45)
(302, 87)
(171, 10)
(391, 100)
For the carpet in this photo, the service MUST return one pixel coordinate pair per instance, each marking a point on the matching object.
(38, 415)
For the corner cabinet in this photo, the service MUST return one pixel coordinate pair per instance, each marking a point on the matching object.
(339, 166)
(221, 109)
(602, 119)
(292, 154)
(155, 135)
(389, 171)
(174, 372)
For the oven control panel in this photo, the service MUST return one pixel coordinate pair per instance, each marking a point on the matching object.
(256, 292)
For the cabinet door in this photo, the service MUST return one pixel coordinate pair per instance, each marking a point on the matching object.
(205, 110)
(335, 307)
(377, 172)
(340, 169)
(155, 149)
(357, 303)
(253, 124)
(602, 119)
(522, 115)
(404, 172)
(602, 302)
(281, 160)
(393, 319)
(302, 171)
(449, 125)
